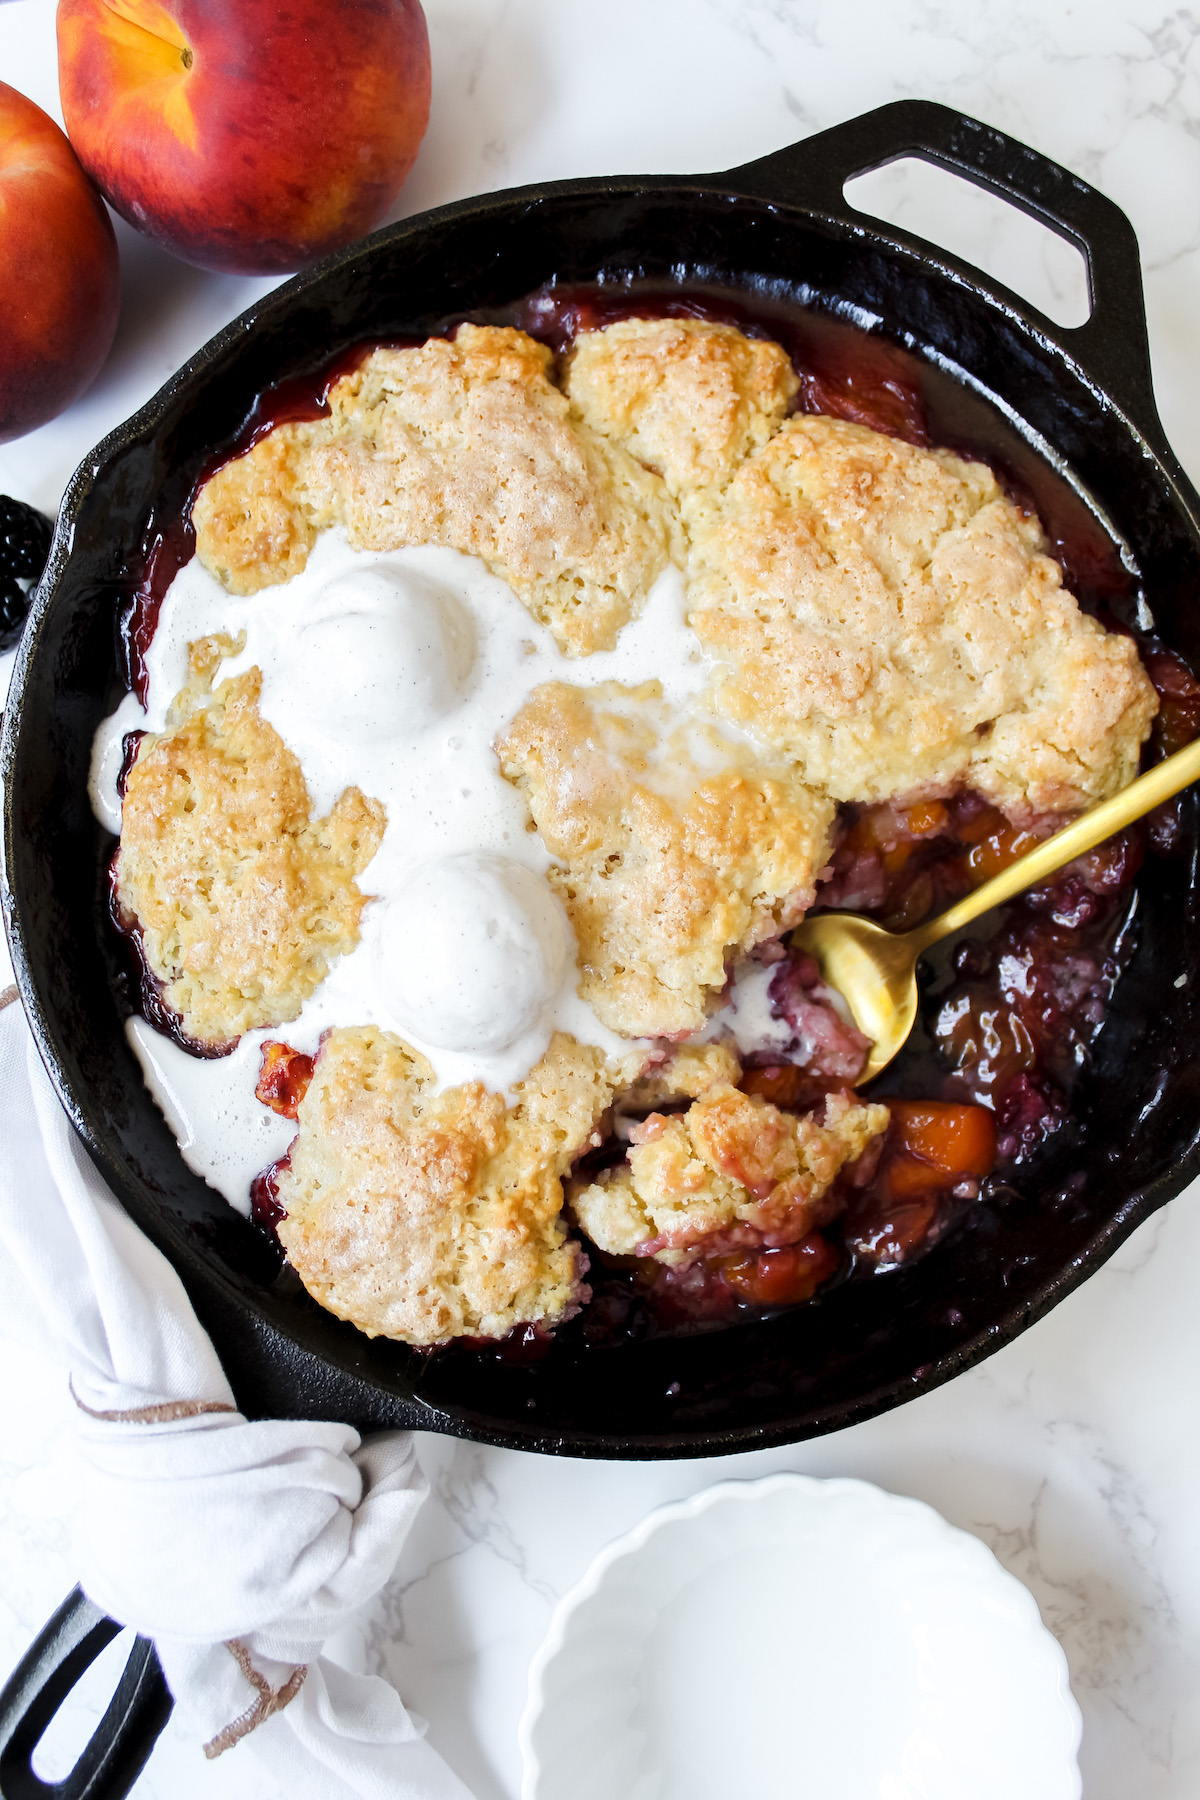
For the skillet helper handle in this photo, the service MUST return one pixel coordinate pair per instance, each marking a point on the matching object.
(1113, 345)
(117, 1751)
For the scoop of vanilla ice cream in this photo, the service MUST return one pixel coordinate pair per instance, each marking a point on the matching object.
(383, 654)
(470, 951)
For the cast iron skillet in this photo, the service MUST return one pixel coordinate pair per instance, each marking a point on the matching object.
(1080, 399)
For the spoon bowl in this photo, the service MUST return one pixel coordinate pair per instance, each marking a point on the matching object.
(874, 970)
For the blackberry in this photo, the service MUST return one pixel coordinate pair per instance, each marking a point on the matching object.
(24, 546)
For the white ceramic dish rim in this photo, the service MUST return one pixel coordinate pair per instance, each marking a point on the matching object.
(632, 1542)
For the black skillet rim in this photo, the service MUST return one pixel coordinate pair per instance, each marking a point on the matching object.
(906, 128)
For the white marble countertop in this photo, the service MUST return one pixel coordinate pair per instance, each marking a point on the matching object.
(1074, 1453)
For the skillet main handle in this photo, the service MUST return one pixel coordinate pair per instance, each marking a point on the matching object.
(117, 1751)
(1113, 345)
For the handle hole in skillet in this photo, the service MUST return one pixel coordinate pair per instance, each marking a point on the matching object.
(66, 1736)
(999, 239)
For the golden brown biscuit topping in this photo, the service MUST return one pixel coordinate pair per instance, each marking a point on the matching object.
(466, 443)
(242, 899)
(730, 1172)
(252, 526)
(423, 1215)
(677, 847)
(885, 616)
(688, 398)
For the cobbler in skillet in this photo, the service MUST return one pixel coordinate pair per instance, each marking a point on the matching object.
(762, 650)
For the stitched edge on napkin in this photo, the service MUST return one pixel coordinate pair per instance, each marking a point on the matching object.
(270, 1700)
(162, 1413)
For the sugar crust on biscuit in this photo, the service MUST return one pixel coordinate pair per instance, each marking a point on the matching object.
(676, 846)
(689, 398)
(888, 618)
(423, 1215)
(242, 900)
(732, 1172)
(466, 443)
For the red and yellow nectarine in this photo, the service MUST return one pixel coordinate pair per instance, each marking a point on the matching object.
(60, 294)
(243, 134)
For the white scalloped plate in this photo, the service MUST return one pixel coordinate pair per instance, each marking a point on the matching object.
(794, 1637)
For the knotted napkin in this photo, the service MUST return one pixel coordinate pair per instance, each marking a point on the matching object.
(238, 1547)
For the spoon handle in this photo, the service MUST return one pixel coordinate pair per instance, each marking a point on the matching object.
(1103, 821)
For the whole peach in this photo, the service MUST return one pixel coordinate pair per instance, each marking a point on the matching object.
(60, 294)
(246, 134)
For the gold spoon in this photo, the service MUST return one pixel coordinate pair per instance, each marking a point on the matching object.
(876, 970)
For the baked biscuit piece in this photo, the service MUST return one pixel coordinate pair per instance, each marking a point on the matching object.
(733, 1172)
(885, 615)
(425, 1216)
(689, 398)
(242, 900)
(465, 443)
(254, 525)
(677, 846)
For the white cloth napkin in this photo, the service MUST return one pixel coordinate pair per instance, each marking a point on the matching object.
(238, 1547)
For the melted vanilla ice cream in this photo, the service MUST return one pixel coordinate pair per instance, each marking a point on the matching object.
(470, 952)
(397, 672)
(388, 650)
